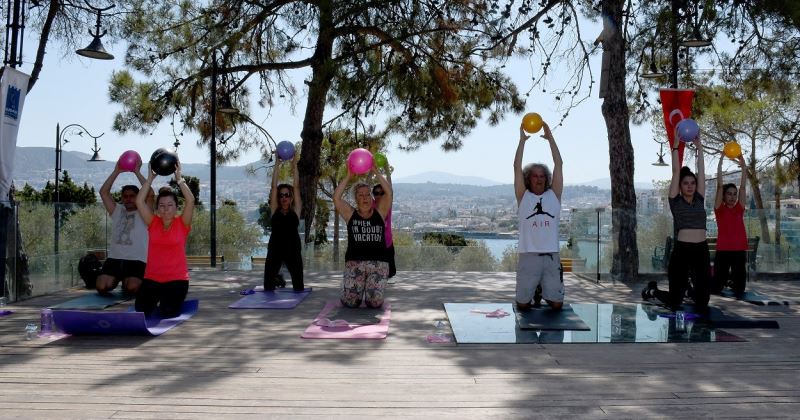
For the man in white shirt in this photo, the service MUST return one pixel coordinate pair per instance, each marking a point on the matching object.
(127, 249)
(539, 208)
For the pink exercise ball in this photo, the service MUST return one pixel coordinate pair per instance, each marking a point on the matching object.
(128, 160)
(359, 161)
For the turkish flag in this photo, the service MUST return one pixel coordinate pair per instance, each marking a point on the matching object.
(677, 105)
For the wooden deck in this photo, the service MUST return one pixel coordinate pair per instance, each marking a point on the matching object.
(227, 363)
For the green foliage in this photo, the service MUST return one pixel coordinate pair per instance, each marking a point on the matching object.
(71, 196)
(476, 257)
(446, 239)
(509, 260)
(265, 217)
(336, 146)
(194, 186)
(235, 238)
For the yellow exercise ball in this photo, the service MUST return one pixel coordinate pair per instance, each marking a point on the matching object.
(732, 150)
(532, 122)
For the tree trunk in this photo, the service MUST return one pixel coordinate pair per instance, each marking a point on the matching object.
(625, 265)
(318, 87)
(762, 216)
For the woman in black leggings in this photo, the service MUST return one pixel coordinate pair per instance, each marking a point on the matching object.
(690, 255)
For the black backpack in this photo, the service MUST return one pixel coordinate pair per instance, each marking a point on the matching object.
(89, 268)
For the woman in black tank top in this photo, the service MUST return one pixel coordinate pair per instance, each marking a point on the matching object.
(284, 240)
(366, 259)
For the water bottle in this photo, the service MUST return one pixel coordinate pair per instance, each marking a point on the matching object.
(30, 331)
(46, 322)
(680, 319)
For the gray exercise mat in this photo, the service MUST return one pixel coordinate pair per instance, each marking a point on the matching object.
(755, 298)
(357, 316)
(549, 319)
(93, 300)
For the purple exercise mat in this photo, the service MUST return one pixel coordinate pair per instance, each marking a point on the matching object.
(119, 323)
(279, 299)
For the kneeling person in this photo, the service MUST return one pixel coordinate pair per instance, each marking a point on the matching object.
(538, 193)
(127, 251)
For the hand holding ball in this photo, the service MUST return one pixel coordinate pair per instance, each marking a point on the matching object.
(532, 122)
(688, 130)
(163, 162)
(285, 150)
(732, 150)
(129, 160)
(359, 161)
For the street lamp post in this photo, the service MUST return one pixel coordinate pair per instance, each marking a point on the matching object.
(598, 210)
(226, 108)
(61, 139)
(213, 162)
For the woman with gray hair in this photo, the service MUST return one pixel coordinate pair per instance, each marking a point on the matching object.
(366, 260)
(538, 195)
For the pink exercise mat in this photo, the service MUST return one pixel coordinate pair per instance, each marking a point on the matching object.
(322, 327)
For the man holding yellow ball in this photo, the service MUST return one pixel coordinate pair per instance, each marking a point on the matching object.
(538, 193)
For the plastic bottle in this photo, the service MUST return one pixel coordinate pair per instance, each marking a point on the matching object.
(30, 331)
(46, 321)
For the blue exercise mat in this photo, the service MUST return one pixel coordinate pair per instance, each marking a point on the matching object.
(119, 323)
(93, 300)
(278, 299)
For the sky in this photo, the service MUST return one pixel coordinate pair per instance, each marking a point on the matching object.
(74, 89)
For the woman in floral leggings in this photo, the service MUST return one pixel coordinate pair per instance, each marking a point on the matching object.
(366, 259)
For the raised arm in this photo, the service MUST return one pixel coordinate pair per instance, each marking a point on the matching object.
(273, 189)
(298, 200)
(188, 197)
(343, 207)
(151, 199)
(558, 173)
(720, 194)
(701, 167)
(519, 182)
(674, 184)
(105, 190)
(141, 198)
(388, 193)
(743, 182)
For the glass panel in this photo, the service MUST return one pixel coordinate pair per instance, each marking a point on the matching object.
(609, 323)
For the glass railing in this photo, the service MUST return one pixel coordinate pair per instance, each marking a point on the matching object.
(587, 239)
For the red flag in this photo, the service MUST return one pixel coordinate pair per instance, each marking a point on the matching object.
(677, 105)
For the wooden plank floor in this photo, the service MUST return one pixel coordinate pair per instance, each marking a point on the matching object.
(227, 363)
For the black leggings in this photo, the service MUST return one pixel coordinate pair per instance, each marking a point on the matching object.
(169, 294)
(294, 263)
(688, 258)
(730, 265)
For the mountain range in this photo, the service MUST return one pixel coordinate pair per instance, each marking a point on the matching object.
(35, 165)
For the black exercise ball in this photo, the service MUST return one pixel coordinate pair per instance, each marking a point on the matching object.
(158, 151)
(163, 162)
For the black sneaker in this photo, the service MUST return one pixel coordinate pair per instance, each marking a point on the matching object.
(647, 292)
(537, 297)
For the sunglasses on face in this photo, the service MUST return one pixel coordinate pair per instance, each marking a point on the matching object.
(284, 195)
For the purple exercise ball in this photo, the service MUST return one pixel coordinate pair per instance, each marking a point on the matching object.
(285, 150)
(688, 130)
